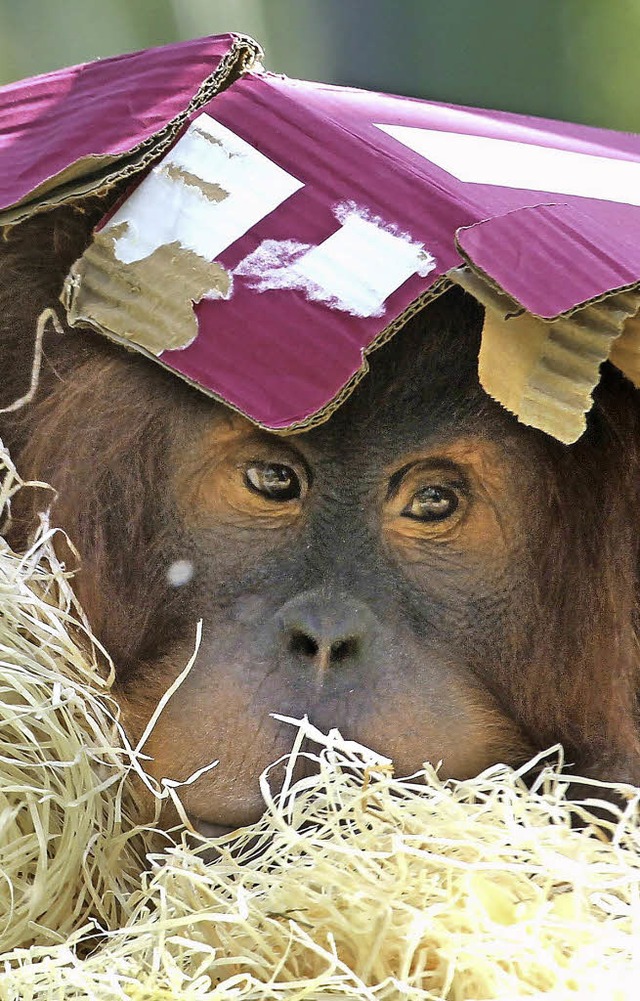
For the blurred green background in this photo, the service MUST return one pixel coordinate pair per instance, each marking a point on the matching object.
(572, 59)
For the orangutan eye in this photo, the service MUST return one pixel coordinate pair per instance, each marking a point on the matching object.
(432, 503)
(273, 481)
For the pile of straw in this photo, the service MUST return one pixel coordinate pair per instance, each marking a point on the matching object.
(354, 884)
(67, 849)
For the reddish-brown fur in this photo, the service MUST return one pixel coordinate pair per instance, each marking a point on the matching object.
(504, 629)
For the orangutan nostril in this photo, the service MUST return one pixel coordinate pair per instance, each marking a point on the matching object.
(325, 630)
(300, 643)
(344, 649)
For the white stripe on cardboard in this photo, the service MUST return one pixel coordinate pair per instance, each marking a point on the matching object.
(354, 270)
(209, 190)
(509, 164)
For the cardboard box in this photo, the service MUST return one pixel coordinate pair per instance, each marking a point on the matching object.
(279, 230)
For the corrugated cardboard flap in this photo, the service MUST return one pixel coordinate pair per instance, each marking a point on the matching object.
(556, 257)
(81, 129)
(541, 365)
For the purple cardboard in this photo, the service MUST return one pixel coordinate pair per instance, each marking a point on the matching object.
(304, 222)
(85, 118)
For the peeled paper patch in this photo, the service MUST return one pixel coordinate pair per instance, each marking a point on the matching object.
(354, 270)
(150, 303)
(155, 257)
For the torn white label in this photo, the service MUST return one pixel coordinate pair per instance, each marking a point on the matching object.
(354, 270)
(509, 164)
(209, 190)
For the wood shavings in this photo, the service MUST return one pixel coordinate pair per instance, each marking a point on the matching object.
(67, 848)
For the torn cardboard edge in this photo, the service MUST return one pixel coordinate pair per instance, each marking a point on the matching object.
(545, 371)
(97, 174)
(75, 318)
(542, 371)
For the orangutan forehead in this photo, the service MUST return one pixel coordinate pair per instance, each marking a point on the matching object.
(427, 372)
(402, 414)
(420, 386)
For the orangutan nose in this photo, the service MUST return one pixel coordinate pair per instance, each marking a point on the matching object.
(325, 632)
